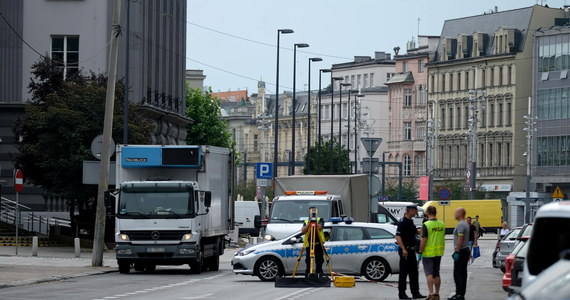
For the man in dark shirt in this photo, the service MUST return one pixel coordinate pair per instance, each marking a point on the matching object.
(406, 239)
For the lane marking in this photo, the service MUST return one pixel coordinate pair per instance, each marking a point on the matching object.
(206, 296)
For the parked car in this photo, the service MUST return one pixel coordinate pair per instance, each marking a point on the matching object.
(366, 249)
(513, 267)
(550, 236)
(505, 247)
(553, 283)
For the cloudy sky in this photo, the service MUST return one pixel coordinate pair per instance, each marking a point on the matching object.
(233, 41)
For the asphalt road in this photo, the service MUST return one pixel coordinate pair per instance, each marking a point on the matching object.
(178, 283)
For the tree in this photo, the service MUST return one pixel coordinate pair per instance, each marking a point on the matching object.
(208, 127)
(312, 159)
(409, 189)
(62, 118)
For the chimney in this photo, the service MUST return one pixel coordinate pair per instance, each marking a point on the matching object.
(361, 58)
(380, 55)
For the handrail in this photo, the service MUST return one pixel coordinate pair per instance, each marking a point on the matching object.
(14, 202)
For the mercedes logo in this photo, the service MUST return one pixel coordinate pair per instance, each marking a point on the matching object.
(155, 235)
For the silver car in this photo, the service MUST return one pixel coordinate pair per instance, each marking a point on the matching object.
(355, 249)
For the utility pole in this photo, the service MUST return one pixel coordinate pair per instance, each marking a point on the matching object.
(471, 174)
(530, 128)
(126, 95)
(430, 148)
(100, 215)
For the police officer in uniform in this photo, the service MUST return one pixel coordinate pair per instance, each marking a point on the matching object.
(406, 239)
(319, 255)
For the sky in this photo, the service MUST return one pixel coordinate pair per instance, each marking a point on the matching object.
(233, 41)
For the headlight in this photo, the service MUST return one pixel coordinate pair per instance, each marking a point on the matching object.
(124, 237)
(186, 237)
(245, 252)
(269, 237)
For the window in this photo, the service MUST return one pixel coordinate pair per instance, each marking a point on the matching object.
(345, 233)
(345, 78)
(421, 99)
(491, 114)
(420, 164)
(432, 84)
(365, 84)
(451, 82)
(358, 81)
(443, 82)
(492, 77)
(483, 78)
(420, 130)
(345, 109)
(378, 234)
(509, 113)
(407, 130)
(509, 75)
(459, 82)
(421, 66)
(450, 123)
(442, 117)
(388, 76)
(255, 143)
(500, 76)
(352, 80)
(467, 80)
(327, 113)
(458, 118)
(405, 66)
(65, 51)
(407, 97)
(407, 165)
(466, 116)
(371, 79)
(499, 114)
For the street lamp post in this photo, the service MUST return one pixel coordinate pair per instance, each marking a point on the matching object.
(321, 71)
(276, 117)
(294, 110)
(344, 84)
(348, 130)
(333, 79)
(356, 106)
(311, 60)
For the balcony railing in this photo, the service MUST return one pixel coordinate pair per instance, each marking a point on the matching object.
(483, 172)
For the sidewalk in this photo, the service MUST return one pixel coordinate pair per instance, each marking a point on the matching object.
(51, 264)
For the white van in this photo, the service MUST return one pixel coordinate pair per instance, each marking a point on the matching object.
(398, 209)
(550, 237)
(245, 212)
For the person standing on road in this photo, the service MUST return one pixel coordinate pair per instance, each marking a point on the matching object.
(480, 229)
(319, 254)
(472, 238)
(460, 255)
(431, 250)
(406, 239)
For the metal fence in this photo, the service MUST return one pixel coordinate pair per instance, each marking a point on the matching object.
(29, 220)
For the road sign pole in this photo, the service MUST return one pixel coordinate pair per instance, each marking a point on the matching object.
(17, 220)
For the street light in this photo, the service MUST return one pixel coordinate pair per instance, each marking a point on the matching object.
(292, 163)
(311, 60)
(333, 79)
(321, 71)
(344, 84)
(348, 129)
(276, 117)
(356, 133)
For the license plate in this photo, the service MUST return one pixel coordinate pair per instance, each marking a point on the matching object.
(155, 250)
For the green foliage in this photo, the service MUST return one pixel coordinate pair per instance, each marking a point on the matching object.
(208, 127)
(312, 159)
(248, 190)
(409, 189)
(61, 120)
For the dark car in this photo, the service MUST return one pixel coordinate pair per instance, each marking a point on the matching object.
(504, 247)
(518, 266)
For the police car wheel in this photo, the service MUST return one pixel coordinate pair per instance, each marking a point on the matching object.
(375, 269)
(267, 268)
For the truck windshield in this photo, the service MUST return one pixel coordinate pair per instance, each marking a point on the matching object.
(161, 205)
(297, 211)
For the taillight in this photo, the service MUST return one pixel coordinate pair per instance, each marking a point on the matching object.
(509, 262)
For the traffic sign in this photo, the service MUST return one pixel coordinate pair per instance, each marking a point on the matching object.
(263, 182)
(444, 193)
(371, 145)
(19, 181)
(97, 147)
(264, 171)
(557, 194)
(444, 203)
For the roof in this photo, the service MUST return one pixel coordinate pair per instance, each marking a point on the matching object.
(405, 77)
(518, 19)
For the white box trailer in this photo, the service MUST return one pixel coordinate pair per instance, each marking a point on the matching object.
(174, 206)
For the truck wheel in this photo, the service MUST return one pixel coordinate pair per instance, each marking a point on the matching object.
(124, 267)
(375, 269)
(139, 267)
(196, 266)
(214, 263)
(268, 268)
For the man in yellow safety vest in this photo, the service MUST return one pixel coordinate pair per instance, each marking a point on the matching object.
(432, 247)
(319, 255)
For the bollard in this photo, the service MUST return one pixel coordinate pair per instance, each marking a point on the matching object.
(77, 245)
(35, 246)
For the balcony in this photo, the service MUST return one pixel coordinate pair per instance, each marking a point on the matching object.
(483, 172)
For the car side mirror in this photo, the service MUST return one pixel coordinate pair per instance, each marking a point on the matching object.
(208, 199)
(257, 222)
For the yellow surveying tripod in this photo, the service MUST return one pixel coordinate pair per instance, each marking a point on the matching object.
(313, 233)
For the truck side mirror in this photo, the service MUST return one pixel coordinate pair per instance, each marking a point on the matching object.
(257, 222)
(208, 199)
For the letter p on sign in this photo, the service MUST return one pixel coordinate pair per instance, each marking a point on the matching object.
(264, 171)
(19, 181)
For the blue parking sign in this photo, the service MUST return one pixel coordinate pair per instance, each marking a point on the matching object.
(264, 171)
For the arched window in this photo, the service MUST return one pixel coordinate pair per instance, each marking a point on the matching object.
(407, 165)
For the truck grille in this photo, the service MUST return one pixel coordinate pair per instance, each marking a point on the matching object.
(156, 235)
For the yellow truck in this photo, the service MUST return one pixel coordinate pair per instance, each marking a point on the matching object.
(490, 212)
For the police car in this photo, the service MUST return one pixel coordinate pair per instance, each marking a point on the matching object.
(354, 248)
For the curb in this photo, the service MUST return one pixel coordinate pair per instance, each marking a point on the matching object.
(55, 278)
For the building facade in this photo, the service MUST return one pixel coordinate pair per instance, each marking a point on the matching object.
(407, 93)
(551, 107)
(481, 73)
(76, 34)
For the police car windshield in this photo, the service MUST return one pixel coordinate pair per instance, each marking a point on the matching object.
(297, 211)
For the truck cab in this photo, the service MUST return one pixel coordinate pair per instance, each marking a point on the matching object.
(289, 212)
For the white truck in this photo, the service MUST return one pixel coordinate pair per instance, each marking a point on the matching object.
(333, 196)
(174, 206)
